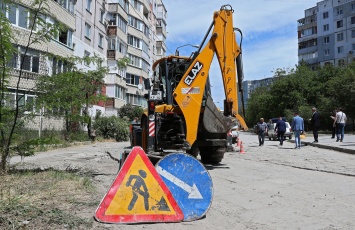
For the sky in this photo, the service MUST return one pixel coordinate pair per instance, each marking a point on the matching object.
(269, 30)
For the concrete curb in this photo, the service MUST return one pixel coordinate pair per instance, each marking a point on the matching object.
(335, 148)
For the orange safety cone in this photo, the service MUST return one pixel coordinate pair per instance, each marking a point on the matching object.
(241, 148)
(238, 142)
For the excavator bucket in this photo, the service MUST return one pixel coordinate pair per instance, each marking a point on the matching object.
(214, 122)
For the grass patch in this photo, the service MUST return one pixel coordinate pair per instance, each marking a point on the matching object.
(45, 200)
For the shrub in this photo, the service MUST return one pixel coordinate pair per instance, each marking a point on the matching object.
(130, 111)
(112, 127)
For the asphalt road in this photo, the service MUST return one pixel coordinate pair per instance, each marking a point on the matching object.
(268, 187)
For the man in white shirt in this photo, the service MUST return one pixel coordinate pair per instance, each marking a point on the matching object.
(339, 124)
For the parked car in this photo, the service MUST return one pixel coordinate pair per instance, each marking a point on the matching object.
(273, 135)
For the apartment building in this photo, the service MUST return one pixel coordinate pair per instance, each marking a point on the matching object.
(113, 30)
(36, 62)
(135, 30)
(326, 35)
(89, 38)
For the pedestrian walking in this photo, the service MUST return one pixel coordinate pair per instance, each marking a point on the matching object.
(315, 121)
(339, 124)
(261, 128)
(297, 127)
(280, 128)
(332, 116)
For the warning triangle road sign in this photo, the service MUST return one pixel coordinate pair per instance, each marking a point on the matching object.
(138, 194)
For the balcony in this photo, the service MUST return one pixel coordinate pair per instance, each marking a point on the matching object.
(110, 102)
(111, 54)
(25, 74)
(112, 30)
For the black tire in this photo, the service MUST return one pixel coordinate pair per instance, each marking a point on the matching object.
(269, 138)
(290, 137)
(212, 154)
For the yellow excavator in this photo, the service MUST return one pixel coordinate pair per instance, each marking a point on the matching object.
(181, 114)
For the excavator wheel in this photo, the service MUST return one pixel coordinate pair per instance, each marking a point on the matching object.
(212, 155)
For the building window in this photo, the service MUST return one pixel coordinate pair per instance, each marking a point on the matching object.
(145, 47)
(353, 46)
(134, 41)
(326, 27)
(23, 16)
(339, 23)
(88, 5)
(124, 4)
(339, 10)
(120, 92)
(28, 61)
(136, 4)
(340, 37)
(66, 37)
(326, 52)
(353, 20)
(326, 40)
(102, 15)
(135, 61)
(340, 49)
(20, 16)
(117, 20)
(352, 6)
(325, 15)
(12, 14)
(59, 66)
(101, 39)
(86, 53)
(117, 44)
(87, 30)
(353, 33)
(145, 66)
(132, 79)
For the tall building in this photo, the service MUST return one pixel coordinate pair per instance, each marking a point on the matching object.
(134, 31)
(36, 61)
(326, 35)
(89, 38)
(114, 30)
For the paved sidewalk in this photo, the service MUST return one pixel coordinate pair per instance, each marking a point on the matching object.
(325, 141)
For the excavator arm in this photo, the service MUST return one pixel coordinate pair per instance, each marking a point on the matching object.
(189, 92)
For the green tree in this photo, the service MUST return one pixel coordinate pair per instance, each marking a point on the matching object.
(342, 89)
(12, 116)
(130, 111)
(70, 93)
(258, 106)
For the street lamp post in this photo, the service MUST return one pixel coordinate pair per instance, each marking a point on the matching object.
(177, 49)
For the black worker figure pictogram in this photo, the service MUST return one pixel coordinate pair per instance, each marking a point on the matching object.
(136, 189)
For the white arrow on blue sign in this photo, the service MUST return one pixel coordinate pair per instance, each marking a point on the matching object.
(189, 182)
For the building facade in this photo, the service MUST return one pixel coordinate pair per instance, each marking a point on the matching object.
(326, 35)
(132, 31)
